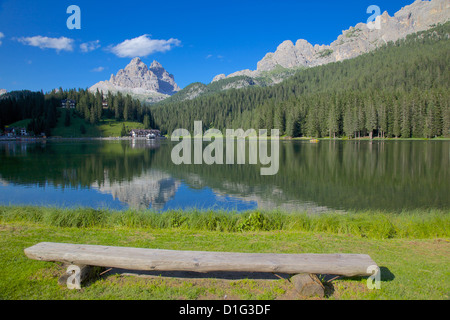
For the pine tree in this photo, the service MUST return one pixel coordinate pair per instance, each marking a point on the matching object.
(382, 116)
(371, 119)
(293, 123)
(127, 108)
(445, 118)
(406, 124)
(123, 132)
(349, 126)
(116, 108)
(333, 124)
(92, 118)
(280, 119)
(146, 121)
(396, 127)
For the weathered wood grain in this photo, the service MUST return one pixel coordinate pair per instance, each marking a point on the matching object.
(308, 284)
(200, 261)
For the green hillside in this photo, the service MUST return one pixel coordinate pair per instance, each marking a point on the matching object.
(93, 115)
(20, 124)
(105, 127)
(74, 129)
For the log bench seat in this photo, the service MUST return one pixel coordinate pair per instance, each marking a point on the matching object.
(201, 261)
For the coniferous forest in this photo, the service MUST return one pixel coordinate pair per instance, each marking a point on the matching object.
(398, 90)
(43, 109)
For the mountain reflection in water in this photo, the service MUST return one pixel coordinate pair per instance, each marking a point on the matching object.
(330, 175)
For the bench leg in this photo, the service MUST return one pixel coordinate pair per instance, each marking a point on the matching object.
(308, 285)
(75, 275)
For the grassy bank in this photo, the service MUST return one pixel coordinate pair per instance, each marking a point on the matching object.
(414, 255)
(418, 224)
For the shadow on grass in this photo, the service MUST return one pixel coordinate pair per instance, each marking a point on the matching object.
(224, 275)
(386, 274)
(327, 279)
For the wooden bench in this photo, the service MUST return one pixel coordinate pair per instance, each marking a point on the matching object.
(201, 261)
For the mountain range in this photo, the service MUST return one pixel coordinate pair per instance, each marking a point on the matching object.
(154, 84)
(357, 40)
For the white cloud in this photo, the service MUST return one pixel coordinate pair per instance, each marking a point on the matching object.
(98, 69)
(1, 36)
(90, 46)
(143, 46)
(58, 44)
(209, 56)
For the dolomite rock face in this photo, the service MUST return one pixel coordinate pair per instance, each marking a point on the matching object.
(138, 79)
(288, 55)
(3, 91)
(219, 77)
(357, 40)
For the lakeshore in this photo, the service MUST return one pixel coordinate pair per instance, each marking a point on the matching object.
(414, 264)
(57, 138)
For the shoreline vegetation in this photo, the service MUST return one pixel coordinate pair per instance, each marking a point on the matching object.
(372, 224)
(168, 137)
(411, 248)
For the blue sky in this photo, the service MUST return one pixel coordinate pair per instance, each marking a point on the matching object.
(194, 40)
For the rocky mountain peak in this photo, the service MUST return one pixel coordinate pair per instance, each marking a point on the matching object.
(219, 77)
(286, 45)
(137, 77)
(156, 65)
(135, 61)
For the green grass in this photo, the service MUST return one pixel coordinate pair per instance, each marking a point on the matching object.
(418, 224)
(20, 124)
(73, 131)
(411, 268)
(106, 128)
(113, 128)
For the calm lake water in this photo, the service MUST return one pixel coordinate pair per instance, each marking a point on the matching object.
(336, 175)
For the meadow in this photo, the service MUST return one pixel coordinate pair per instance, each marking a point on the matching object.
(411, 248)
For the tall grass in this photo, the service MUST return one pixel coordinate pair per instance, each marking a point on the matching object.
(418, 224)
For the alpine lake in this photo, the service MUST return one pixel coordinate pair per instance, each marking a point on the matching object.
(332, 175)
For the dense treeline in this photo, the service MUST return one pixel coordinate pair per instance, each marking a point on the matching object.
(120, 107)
(20, 105)
(385, 113)
(399, 90)
(43, 109)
